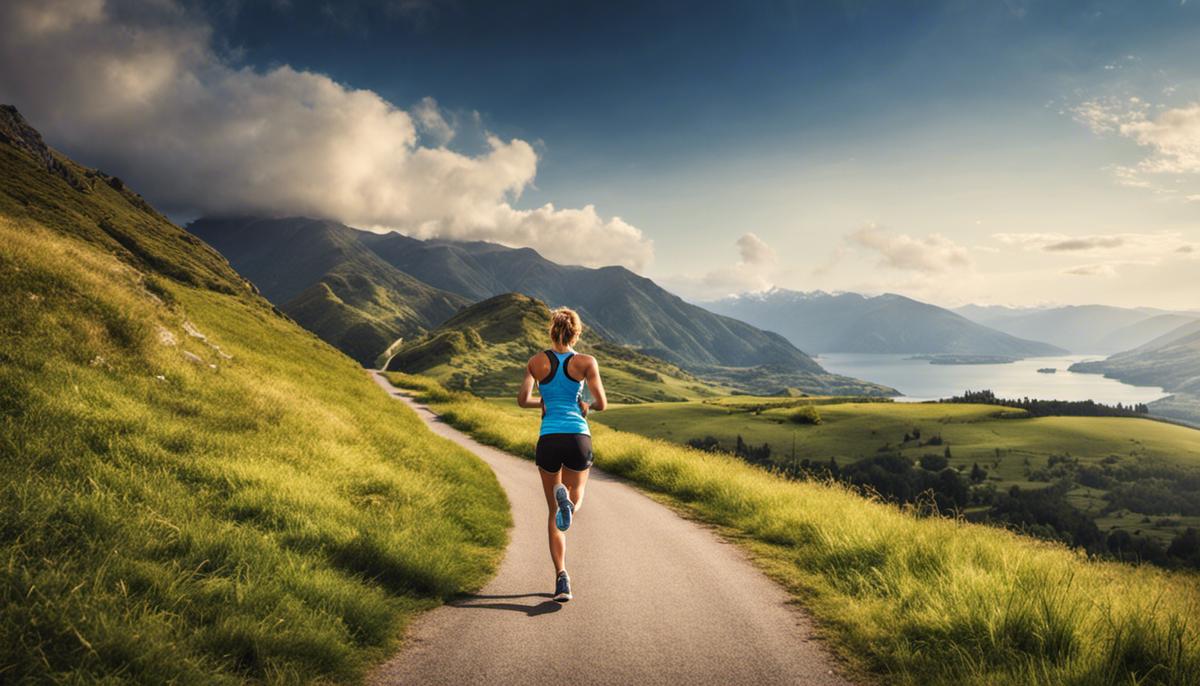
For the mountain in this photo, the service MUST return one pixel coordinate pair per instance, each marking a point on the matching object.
(485, 346)
(321, 275)
(194, 489)
(620, 305)
(1146, 330)
(848, 322)
(1093, 329)
(283, 258)
(1172, 361)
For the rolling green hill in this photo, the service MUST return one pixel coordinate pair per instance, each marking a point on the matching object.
(821, 322)
(324, 278)
(193, 489)
(484, 348)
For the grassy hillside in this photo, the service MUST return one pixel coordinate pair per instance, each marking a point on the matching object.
(324, 278)
(852, 431)
(913, 600)
(484, 348)
(1091, 457)
(848, 322)
(193, 489)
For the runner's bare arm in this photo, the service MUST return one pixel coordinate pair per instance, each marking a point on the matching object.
(525, 395)
(599, 400)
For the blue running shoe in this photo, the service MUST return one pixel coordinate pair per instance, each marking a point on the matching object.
(562, 587)
(565, 508)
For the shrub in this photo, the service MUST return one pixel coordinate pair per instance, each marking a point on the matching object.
(805, 414)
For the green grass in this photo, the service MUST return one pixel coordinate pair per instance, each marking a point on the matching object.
(246, 506)
(911, 600)
(974, 433)
(1012, 447)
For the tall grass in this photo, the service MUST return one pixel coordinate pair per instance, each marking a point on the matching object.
(916, 600)
(195, 490)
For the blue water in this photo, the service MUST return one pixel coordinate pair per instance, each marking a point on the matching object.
(918, 380)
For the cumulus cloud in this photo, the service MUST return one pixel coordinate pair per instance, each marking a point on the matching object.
(1170, 136)
(754, 271)
(432, 122)
(930, 254)
(138, 90)
(755, 251)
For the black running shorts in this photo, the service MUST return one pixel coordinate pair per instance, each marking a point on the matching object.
(555, 451)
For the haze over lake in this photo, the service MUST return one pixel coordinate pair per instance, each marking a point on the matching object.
(919, 380)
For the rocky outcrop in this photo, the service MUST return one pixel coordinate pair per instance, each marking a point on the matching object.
(17, 132)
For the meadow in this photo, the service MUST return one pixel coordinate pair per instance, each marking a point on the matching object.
(909, 599)
(194, 490)
(1013, 449)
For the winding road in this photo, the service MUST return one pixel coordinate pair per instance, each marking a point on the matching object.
(658, 600)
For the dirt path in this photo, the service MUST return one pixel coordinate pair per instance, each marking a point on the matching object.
(658, 600)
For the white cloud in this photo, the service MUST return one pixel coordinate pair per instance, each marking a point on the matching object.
(1170, 136)
(1104, 270)
(928, 255)
(1173, 137)
(1141, 246)
(138, 90)
(754, 271)
(431, 121)
(755, 251)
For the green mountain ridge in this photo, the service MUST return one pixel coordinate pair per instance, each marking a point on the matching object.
(324, 278)
(485, 346)
(623, 306)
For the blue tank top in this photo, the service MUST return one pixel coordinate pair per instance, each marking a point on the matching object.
(561, 393)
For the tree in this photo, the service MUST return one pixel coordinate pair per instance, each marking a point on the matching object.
(978, 474)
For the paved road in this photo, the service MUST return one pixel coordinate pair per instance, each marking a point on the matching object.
(658, 600)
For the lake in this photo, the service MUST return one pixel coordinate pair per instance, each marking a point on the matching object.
(919, 380)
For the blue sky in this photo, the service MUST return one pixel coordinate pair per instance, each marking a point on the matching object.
(942, 150)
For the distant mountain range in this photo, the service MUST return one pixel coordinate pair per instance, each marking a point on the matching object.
(616, 302)
(1172, 361)
(1090, 329)
(356, 289)
(822, 322)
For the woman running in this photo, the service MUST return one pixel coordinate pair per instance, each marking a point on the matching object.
(564, 447)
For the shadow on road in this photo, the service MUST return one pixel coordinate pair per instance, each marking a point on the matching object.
(545, 607)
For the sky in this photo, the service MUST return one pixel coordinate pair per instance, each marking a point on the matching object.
(1000, 152)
